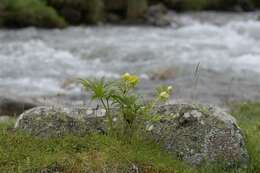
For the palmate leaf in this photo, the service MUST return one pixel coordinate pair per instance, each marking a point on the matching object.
(121, 95)
(99, 88)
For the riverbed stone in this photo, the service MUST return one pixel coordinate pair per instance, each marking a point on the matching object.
(199, 134)
(71, 15)
(157, 15)
(53, 121)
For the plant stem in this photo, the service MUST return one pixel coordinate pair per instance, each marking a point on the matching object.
(107, 108)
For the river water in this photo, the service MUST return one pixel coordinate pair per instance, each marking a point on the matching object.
(37, 62)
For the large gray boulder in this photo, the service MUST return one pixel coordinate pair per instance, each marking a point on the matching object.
(199, 134)
(196, 134)
(58, 121)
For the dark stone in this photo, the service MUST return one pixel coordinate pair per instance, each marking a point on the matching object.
(58, 121)
(113, 18)
(71, 15)
(11, 107)
(157, 15)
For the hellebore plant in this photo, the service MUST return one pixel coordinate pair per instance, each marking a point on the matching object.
(120, 95)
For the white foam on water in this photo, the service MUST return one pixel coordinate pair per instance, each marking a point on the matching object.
(38, 61)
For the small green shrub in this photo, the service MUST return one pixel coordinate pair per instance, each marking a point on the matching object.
(20, 13)
(120, 95)
(248, 117)
(21, 153)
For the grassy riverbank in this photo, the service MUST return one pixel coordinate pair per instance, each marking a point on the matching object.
(58, 14)
(98, 153)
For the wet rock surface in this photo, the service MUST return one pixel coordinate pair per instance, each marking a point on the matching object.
(200, 134)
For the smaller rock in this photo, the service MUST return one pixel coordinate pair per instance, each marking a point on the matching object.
(157, 15)
(163, 74)
(71, 15)
(113, 18)
(58, 121)
(156, 10)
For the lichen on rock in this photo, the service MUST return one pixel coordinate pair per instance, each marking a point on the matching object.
(58, 121)
(199, 134)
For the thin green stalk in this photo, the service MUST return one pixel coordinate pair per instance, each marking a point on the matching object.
(107, 108)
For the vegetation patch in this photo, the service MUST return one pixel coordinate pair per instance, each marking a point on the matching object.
(93, 153)
(22, 13)
(20, 152)
(248, 116)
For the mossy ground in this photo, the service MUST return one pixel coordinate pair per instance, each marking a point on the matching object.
(248, 117)
(99, 153)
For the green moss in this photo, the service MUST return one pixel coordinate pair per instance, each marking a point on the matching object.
(22, 153)
(248, 116)
(21, 13)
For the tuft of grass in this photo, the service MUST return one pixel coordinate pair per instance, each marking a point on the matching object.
(248, 117)
(92, 153)
(22, 13)
(99, 153)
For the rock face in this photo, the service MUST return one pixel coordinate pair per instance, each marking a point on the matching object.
(200, 135)
(194, 133)
(157, 15)
(56, 121)
(12, 107)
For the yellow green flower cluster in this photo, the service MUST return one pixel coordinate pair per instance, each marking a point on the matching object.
(131, 79)
(164, 95)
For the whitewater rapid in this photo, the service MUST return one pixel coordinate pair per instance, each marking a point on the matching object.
(36, 62)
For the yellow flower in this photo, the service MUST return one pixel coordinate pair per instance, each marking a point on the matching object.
(164, 95)
(126, 76)
(132, 79)
(169, 89)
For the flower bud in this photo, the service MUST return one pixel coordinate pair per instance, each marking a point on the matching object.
(169, 89)
(164, 95)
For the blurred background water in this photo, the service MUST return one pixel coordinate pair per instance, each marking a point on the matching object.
(39, 63)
